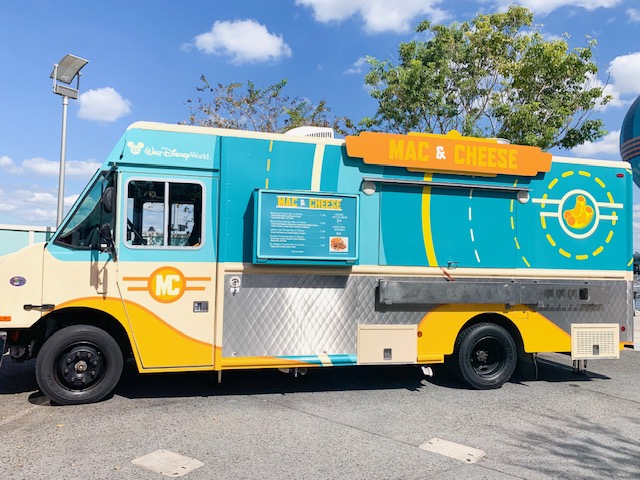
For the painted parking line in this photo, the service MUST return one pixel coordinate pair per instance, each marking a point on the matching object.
(168, 463)
(453, 450)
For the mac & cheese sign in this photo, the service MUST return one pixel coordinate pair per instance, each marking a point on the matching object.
(448, 153)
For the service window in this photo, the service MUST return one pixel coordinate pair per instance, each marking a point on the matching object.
(164, 214)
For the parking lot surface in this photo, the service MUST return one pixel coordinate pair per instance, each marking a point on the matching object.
(355, 423)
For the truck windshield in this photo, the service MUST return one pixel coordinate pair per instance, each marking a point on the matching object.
(82, 229)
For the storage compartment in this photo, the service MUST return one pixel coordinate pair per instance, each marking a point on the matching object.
(387, 344)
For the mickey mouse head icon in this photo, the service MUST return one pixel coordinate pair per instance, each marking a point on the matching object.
(135, 148)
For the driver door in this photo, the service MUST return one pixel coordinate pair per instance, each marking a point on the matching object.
(166, 267)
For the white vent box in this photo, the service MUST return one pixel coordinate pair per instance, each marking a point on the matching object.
(595, 340)
(387, 344)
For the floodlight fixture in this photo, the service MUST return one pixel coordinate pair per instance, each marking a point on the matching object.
(65, 71)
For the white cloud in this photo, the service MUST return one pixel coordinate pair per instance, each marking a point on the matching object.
(634, 14)
(73, 168)
(378, 15)
(41, 166)
(103, 105)
(547, 6)
(23, 207)
(607, 90)
(616, 101)
(32, 207)
(70, 200)
(245, 41)
(623, 85)
(7, 163)
(625, 72)
(608, 147)
(6, 207)
(357, 66)
(81, 169)
(43, 198)
(40, 215)
(47, 198)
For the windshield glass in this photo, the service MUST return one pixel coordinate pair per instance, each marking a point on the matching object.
(82, 229)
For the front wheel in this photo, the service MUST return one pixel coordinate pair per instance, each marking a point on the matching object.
(487, 355)
(79, 364)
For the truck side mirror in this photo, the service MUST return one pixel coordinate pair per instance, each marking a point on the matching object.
(106, 240)
(107, 200)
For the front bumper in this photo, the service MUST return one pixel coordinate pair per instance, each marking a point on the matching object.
(3, 344)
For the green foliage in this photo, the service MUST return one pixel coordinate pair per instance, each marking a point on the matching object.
(492, 77)
(265, 109)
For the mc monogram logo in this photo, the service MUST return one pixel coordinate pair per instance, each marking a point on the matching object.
(166, 284)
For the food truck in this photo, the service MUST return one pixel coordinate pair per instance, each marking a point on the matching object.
(203, 249)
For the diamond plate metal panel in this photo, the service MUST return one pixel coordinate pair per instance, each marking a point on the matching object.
(281, 315)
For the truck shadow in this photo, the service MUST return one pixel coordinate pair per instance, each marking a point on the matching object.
(250, 382)
(17, 377)
(20, 378)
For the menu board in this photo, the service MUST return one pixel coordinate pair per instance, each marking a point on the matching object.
(300, 226)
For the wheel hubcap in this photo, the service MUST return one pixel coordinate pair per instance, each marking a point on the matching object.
(81, 366)
(487, 357)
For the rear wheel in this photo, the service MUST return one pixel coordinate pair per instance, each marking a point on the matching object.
(487, 355)
(79, 364)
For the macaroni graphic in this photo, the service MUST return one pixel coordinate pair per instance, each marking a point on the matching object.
(580, 216)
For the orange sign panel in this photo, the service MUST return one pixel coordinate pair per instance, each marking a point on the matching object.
(448, 153)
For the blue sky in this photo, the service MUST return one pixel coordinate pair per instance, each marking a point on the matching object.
(146, 58)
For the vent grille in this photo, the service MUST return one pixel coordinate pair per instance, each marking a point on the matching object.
(308, 131)
(590, 340)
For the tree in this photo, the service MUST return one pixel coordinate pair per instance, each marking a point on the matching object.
(492, 77)
(265, 109)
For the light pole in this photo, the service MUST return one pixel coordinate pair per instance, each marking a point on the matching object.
(65, 71)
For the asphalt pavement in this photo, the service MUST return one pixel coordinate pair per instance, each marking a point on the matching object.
(351, 423)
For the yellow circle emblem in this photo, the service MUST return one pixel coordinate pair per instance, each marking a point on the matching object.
(166, 284)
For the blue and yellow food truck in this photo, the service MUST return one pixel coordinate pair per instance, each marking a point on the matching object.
(197, 248)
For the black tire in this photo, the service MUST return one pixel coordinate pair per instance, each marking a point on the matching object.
(487, 356)
(79, 364)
